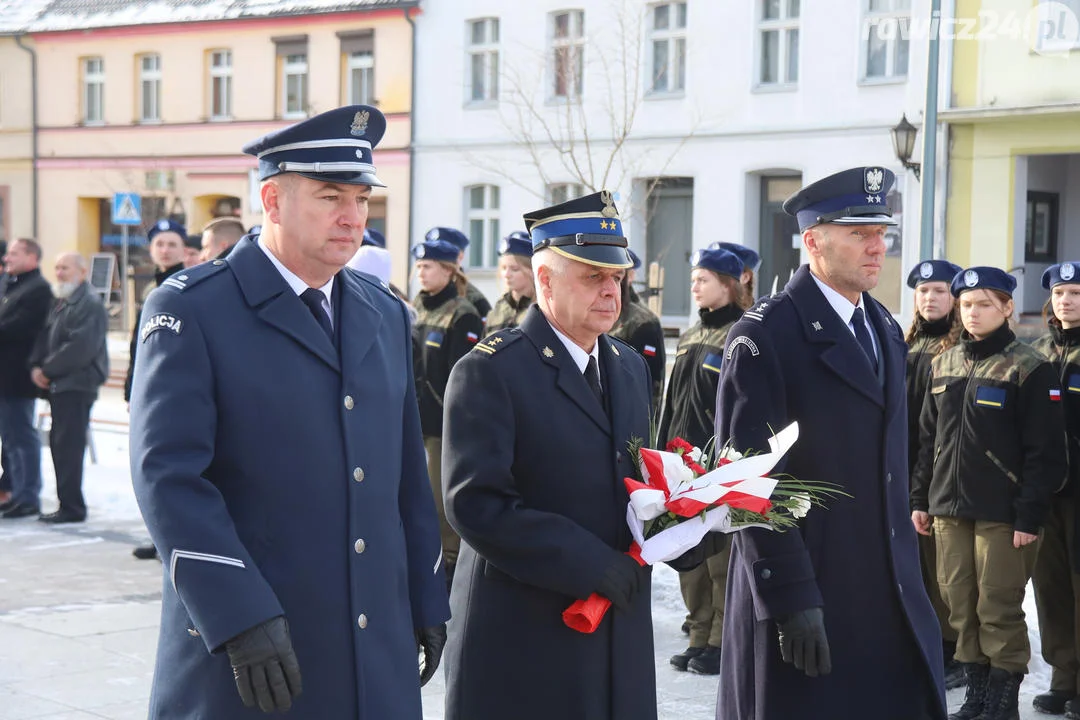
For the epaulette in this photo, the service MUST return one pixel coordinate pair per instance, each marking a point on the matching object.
(372, 280)
(626, 347)
(189, 278)
(498, 341)
(759, 309)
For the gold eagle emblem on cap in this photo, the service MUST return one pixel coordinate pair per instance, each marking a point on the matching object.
(609, 210)
(359, 122)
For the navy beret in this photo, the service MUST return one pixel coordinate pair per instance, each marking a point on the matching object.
(983, 278)
(1065, 272)
(749, 257)
(373, 237)
(586, 229)
(932, 271)
(334, 146)
(436, 250)
(634, 259)
(850, 197)
(516, 243)
(165, 225)
(448, 234)
(719, 261)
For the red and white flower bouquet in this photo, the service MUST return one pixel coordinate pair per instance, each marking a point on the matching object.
(676, 501)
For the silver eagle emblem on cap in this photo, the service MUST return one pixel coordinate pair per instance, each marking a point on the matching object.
(1068, 272)
(873, 179)
(609, 210)
(971, 278)
(926, 270)
(359, 123)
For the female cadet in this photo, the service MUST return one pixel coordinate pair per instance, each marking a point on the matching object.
(991, 454)
(1056, 578)
(515, 267)
(750, 260)
(689, 410)
(447, 326)
(936, 316)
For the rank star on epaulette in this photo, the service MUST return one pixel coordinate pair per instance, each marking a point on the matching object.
(495, 340)
(548, 352)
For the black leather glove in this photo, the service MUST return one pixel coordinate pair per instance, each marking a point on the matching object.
(803, 641)
(620, 582)
(713, 543)
(265, 666)
(431, 642)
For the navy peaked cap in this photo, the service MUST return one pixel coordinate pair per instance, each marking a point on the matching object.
(850, 197)
(334, 146)
(586, 229)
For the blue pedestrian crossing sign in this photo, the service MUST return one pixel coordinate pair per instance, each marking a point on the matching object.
(126, 209)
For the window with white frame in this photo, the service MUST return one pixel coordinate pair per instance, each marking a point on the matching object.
(294, 72)
(482, 220)
(93, 90)
(558, 193)
(667, 36)
(483, 49)
(221, 77)
(567, 54)
(358, 61)
(778, 42)
(150, 88)
(886, 25)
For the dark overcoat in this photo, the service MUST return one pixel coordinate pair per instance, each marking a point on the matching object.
(532, 471)
(280, 475)
(792, 358)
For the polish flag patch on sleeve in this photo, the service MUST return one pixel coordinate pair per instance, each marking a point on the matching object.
(1055, 395)
(472, 337)
(649, 351)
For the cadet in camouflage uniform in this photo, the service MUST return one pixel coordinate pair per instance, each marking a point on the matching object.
(458, 239)
(447, 326)
(991, 455)
(515, 267)
(929, 335)
(639, 327)
(689, 413)
(1056, 579)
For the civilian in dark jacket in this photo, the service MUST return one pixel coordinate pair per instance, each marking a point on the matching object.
(70, 362)
(23, 310)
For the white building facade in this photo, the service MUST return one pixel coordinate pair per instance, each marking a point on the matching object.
(702, 116)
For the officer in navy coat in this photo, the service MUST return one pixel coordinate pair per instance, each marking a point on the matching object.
(537, 422)
(277, 459)
(829, 620)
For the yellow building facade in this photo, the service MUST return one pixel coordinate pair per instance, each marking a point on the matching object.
(1012, 129)
(16, 141)
(163, 109)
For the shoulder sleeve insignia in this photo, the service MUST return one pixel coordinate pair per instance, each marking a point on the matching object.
(741, 340)
(161, 321)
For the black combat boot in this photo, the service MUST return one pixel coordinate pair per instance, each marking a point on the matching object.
(1052, 702)
(680, 661)
(1072, 709)
(707, 663)
(954, 674)
(976, 676)
(1002, 695)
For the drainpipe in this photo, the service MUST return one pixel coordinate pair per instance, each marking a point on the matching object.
(412, 150)
(33, 129)
(930, 136)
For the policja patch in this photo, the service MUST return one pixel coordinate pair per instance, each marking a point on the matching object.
(161, 321)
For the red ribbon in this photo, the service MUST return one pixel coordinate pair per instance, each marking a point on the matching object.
(585, 615)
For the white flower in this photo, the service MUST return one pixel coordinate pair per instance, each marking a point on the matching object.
(730, 453)
(685, 479)
(802, 505)
(695, 454)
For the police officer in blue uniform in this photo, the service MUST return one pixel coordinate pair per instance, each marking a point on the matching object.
(536, 429)
(830, 619)
(277, 459)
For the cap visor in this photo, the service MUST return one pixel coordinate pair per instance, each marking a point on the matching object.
(345, 178)
(607, 256)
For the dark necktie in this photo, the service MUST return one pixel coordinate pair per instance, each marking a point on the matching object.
(862, 334)
(592, 376)
(314, 300)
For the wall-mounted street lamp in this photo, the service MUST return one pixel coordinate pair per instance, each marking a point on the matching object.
(903, 139)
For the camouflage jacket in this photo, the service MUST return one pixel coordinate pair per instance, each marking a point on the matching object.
(992, 434)
(639, 328)
(478, 301)
(923, 349)
(506, 313)
(447, 326)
